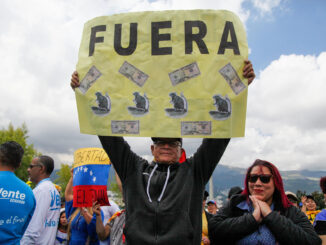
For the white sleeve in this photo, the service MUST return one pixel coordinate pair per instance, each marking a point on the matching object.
(114, 207)
(109, 211)
(36, 225)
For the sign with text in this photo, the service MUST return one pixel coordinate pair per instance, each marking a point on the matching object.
(163, 74)
(90, 177)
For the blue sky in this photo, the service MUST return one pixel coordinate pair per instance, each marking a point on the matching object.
(39, 42)
(294, 27)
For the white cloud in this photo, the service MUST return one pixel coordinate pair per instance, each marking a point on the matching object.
(292, 91)
(266, 6)
(285, 116)
(39, 43)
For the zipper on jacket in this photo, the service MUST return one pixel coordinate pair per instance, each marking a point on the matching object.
(156, 222)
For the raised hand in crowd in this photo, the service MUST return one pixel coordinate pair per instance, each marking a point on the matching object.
(248, 71)
(68, 192)
(102, 231)
(74, 80)
(303, 201)
(96, 208)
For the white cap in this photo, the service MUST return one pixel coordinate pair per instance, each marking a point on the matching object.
(289, 193)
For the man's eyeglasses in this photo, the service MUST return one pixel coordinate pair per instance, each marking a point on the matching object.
(170, 143)
(36, 165)
(264, 178)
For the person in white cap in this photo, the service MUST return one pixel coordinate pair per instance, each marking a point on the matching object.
(292, 198)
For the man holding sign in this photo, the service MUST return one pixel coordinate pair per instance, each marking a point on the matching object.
(163, 198)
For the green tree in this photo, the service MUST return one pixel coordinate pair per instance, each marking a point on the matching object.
(20, 135)
(63, 177)
(300, 194)
(115, 189)
(319, 199)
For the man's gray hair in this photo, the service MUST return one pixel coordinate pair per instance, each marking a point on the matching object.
(47, 162)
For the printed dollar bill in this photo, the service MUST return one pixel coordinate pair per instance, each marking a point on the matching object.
(92, 75)
(133, 74)
(184, 73)
(232, 78)
(125, 127)
(196, 128)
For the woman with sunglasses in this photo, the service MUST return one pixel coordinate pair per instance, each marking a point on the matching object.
(261, 214)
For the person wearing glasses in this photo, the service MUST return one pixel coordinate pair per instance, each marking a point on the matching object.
(261, 214)
(43, 227)
(17, 202)
(163, 198)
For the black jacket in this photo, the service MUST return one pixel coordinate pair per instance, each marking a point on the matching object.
(159, 214)
(289, 226)
(208, 216)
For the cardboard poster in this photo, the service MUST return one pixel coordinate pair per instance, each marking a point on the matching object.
(163, 74)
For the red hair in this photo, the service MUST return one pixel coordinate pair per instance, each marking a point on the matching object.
(279, 195)
(323, 184)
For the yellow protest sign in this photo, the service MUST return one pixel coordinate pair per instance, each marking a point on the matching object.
(163, 74)
(84, 156)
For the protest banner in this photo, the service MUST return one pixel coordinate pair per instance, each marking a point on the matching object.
(163, 74)
(90, 177)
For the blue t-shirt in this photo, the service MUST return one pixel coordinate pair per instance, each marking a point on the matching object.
(80, 230)
(17, 204)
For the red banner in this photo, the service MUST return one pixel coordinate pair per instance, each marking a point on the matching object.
(85, 195)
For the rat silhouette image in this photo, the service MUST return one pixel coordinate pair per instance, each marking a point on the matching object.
(223, 107)
(180, 106)
(103, 104)
(142, 105)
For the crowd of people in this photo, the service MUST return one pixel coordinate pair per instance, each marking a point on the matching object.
(165, 200)
(261, 213)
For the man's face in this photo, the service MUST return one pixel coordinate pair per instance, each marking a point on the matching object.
(34, 170)
(211, 208)
(166, 150)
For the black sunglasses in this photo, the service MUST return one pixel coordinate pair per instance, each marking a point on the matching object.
(264, 178)
(36, 165)
(170, 143)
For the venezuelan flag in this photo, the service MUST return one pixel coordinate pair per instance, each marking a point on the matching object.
(90, 177)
